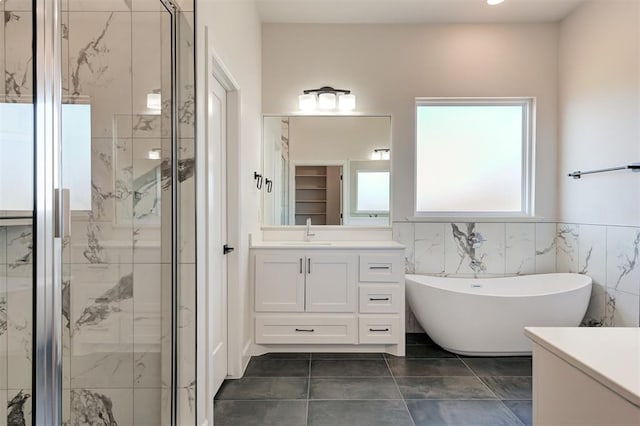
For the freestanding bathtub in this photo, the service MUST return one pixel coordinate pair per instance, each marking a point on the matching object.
(487, 316)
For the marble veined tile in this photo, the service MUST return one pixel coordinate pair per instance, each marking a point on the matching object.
(19, 407)
(97, 6)
(567, 237)
(476, 248)
(19, 247)
(24, 5)
(622, 309)
(403, 233)
(592, 253)
(19, 321)
(545, 248)
(147, 72)
(3, 328)
(147, 325)
(187, 325)
(102, 406)
(100, 66)
(429, 248)
(187, 404)
(3, 245)
(3, 394)
(520, 248)
(18, 36)
(623, 259)
(147, 407)
(101, 326)
(100, 243)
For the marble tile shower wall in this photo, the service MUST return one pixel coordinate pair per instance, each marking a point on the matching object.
(116, 278)
(609, 254)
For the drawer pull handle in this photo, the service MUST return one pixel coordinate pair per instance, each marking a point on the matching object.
(379, 267)
(378, 299)
(309, 330)
(378, 329)
(301, 265)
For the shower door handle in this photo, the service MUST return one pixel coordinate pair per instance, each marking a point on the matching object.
(62, 213)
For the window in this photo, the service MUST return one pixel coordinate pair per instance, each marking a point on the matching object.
(473, 157)
(369, 188)
(372, 191)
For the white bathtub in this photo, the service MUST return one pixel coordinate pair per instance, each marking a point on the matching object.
(487, 316)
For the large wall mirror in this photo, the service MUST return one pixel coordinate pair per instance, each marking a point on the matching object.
(333, 170)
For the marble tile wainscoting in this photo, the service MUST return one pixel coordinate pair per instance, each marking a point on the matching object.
(608, 254)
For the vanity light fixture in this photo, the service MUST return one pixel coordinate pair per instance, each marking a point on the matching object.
(381, 154)
(494, 2)
(327, 98)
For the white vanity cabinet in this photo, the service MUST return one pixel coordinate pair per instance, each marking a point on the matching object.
(341, 297)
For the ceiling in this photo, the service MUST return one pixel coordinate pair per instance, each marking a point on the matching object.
(412, 11)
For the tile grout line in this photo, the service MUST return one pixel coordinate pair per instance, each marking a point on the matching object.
(492, 392)
(404, 402)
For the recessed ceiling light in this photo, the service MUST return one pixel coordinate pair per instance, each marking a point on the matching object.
(494, 2)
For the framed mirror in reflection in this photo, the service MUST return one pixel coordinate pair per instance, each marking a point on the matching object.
(333, 170)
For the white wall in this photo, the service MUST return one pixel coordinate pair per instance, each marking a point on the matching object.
(235, 37)
(387, 66)
(600, 112)
(337, 138)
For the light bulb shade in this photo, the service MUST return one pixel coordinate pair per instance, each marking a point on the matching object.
(494, 2)
(386, 155)
(327, 101)
(347, 102)
(154, 101)
(307, 102)
(375, 155)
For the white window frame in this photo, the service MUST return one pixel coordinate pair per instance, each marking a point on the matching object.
(528, 158)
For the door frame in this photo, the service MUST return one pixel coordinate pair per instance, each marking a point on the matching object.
(332, 163)
(215, 67)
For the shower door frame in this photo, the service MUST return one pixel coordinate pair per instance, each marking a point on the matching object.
(51, 221)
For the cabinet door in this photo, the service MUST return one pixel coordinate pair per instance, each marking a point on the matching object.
(279, 283)
(331, 282)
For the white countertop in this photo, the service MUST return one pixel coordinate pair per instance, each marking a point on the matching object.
(326, 245)
(610, 355)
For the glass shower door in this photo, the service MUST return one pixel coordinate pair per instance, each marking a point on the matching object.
(117, 134)
(16, 212)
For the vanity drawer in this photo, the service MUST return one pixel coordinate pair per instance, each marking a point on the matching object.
(380, 299)
(307, 329)
(381, 268)
(379, 329)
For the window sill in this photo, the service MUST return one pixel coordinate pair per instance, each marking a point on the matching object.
(496, 219)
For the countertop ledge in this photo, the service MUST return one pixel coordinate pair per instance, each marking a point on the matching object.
(326, 245)
(609, 355)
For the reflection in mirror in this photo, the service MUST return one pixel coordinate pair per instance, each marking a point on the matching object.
(331, 169)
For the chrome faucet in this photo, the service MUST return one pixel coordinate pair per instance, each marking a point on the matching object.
(308, 236)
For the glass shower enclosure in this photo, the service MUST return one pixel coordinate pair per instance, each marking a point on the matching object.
(97, 213)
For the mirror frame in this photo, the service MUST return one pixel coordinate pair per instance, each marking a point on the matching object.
(263, 226)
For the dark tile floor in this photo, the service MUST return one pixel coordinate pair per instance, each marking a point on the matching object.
(429, 386)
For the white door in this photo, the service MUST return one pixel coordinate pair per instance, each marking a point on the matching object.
(216, 190)
(331, 282)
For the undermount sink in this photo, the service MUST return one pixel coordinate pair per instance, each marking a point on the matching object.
(307, 243)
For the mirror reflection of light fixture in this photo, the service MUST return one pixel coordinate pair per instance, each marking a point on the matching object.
(154, 102)
(494, 2)
(327, 98)
(154, 154)
(381, 154)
